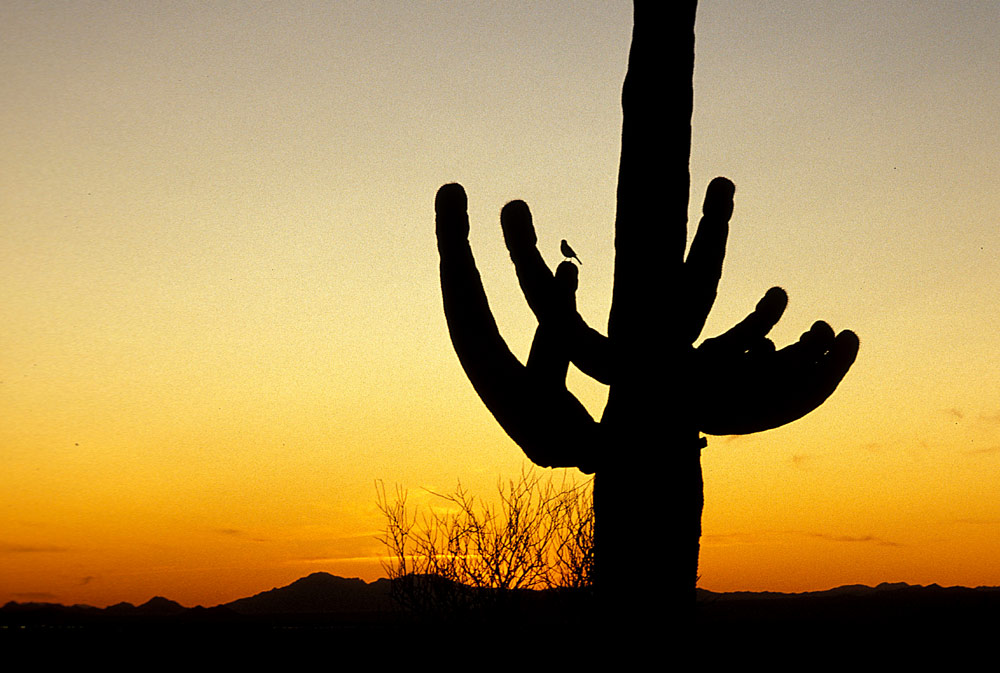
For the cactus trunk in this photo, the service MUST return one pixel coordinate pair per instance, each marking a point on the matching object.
(646, 536)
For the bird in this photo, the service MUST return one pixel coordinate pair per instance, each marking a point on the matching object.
(568, 251)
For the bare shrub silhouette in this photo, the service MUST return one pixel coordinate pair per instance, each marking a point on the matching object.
(469, 552)
(664, 391)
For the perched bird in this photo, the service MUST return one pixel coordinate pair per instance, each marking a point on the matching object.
(568, 251)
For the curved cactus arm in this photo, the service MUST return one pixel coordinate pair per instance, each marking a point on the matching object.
(703, 266)
(586, 346)
(561, 424)
(549, 357)
(765, 388)
(750, 332)
(531, 404)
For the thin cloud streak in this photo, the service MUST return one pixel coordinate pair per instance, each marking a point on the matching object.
(340, 559)
(35, 596)
(760, 538)
(983, 451)
(235, 532)
(850, 538)
(992, 418)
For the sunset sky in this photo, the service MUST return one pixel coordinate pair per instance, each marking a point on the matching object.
(221, 315)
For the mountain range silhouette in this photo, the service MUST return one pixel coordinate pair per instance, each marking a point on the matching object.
(328, 601)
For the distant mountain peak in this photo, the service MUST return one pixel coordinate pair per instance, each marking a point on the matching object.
(159, 605)
(325, 578)
(891, 586)
(318, 593)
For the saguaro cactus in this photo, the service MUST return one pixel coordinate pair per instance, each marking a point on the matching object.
(664, 391)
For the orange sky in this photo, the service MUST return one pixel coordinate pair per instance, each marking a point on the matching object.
(222, 319)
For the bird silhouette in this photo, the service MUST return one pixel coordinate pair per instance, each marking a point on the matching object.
(568, 251)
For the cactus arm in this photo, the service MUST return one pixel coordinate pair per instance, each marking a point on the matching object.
(752, 330)
(753, 387)
(563, 433)
(531, 404)
(548, 360)
(586, 346)
(805, 374)
(764, 388)
(703, 267)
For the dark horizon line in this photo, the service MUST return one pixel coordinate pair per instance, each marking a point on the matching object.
(161, 600)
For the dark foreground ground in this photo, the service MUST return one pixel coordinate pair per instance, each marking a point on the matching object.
(337, 619)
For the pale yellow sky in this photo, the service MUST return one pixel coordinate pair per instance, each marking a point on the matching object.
(222, 318)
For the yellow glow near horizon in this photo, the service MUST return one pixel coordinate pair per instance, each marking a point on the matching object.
(221, 310)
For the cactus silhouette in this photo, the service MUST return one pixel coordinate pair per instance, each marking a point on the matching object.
(664, 391)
